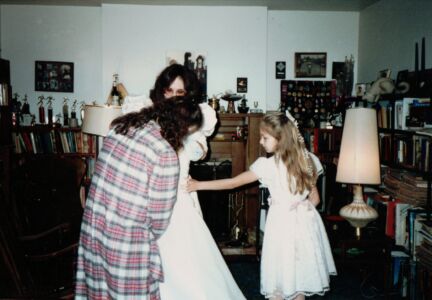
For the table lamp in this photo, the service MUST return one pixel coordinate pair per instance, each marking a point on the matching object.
(359, 163)
(97, 118)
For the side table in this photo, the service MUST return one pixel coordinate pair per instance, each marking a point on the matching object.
(369, 254)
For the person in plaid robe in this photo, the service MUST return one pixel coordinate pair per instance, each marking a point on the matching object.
(130, 202)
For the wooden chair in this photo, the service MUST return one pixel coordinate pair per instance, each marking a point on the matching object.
(40, 253)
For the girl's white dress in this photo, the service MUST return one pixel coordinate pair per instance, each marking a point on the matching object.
(296, 254)
(193, 266)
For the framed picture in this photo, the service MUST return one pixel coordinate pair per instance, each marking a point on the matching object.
(195, 61)
(242, 84)
(361, 89)
(54, 76)
(280, 69)
(310, 64)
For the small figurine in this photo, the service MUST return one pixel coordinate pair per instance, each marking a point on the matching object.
(16, 110)
(27, 118)
(26, 107)
(243, 108)
(58, 120)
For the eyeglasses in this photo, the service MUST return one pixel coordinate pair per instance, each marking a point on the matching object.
(169, 92)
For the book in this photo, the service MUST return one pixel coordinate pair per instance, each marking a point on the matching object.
(401, 234)
(413, 214)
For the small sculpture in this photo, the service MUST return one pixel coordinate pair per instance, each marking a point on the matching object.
(243, 108)
(380, 87)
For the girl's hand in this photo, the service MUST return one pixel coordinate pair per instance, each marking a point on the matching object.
(192, 185)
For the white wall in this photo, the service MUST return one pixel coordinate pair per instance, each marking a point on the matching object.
(133, 40)
(389, 30)
(335, 33)
(53, 33)
(136, 39)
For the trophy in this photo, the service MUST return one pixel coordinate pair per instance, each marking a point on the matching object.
(41, 109)
(73, 121)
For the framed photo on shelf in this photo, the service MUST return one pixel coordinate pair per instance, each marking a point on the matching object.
(361, 88)
(310, 64)
(54, 76)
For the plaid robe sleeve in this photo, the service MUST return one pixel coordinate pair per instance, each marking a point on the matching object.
(162, 192)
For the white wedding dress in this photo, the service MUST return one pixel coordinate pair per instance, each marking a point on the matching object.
(193, 266)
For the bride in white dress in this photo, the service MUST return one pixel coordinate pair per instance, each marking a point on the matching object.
(193, 266)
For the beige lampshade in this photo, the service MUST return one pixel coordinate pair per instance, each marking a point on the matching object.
(97, 118)
(359, 155)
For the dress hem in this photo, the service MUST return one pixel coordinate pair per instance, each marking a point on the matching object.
(292, 296)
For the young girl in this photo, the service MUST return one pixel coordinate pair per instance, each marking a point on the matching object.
(296, 255)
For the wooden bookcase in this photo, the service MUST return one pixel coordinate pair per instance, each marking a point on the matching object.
(236, 139)
(43, 141)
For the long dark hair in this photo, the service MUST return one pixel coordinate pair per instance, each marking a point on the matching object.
(175, 116)
(167, 77)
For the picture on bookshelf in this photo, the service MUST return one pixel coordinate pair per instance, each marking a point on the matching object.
(54, 76)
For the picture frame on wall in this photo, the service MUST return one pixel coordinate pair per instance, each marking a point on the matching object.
(242, 84)
(196, 61)
(310, 64)
(54, 76)
(280, 69)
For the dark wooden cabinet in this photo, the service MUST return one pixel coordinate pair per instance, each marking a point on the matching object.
(236, 140)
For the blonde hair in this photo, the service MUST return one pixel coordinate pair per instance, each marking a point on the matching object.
(291, 150)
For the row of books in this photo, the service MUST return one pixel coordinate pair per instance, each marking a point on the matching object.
(407, 150)
(403, 222)
(323, 140)
(384, 116)
(404, 112)
(53, 142)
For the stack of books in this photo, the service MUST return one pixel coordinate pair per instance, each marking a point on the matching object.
(406, 186)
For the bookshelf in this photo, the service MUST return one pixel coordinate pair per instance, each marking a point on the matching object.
(323, 142)
(44, 141)
(405, 152)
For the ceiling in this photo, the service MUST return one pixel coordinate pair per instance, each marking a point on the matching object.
(315, 5)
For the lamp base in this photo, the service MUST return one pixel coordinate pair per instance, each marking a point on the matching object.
(358, 213)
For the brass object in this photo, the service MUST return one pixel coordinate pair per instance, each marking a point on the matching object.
(214, 103)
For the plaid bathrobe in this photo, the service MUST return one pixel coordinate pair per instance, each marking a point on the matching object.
(128, 208)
